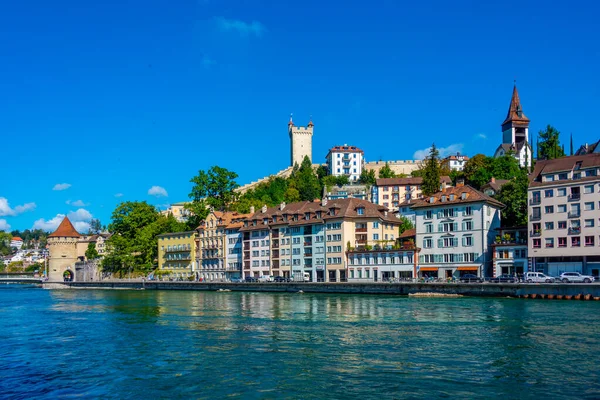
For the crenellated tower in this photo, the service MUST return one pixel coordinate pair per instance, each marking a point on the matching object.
(62, 244)
(300, 142)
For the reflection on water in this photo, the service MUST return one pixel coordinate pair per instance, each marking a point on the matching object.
(121, 344)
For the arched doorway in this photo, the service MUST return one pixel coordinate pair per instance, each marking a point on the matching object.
(68, 276)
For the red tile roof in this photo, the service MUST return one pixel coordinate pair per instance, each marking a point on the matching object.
(17, 239)
(407, 181)
(65, 229)
(472, 196)
(563, 164)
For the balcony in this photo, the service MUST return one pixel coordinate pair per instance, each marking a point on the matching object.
(307, 244)
(275, 245)
(361, 241)
(574, 231)
(308, 254)
(535, 233)
(275, 254)
(574, 214)
(275, 235)
(360, 230)
(535, 201)
(177, 250)
(574, 196)
(246, 246)
(534, 217)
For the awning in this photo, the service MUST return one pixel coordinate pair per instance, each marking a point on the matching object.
(428, 269)
(468, 268)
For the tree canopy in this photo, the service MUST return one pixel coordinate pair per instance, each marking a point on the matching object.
(386, 172)
(431, 172)
(367, 177)
(514, 195)
(405, 225)
(91, 253)
(549, 146)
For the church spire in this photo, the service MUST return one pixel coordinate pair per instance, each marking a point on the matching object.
(515, 111)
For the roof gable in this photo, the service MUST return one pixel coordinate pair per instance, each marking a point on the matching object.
(65, 229)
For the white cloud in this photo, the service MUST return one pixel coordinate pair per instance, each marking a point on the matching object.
(481, 136)
(5, 208)
(4, 226)
(243, 28)
(49, 225)
(80, 215)
(157, 191)
(82, 226)
(119, 195)
(61, 186)
(444, 151)
(77, 203)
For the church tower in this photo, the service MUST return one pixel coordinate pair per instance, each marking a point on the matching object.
(300, 142)
(62, 244)
(515, 132)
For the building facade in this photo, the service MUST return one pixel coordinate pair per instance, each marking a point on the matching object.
(16, 242)
(300, 142)
(515, 133)
(347, 191)
(564, 215)
(455, 162)
(62, 245)
(391, 192)
(509, 252)
(455, 229)
(176, 254)
(345, 161)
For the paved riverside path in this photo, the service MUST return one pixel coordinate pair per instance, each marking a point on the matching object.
(466, 289)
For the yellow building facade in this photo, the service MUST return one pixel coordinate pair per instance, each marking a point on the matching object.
(177, 254)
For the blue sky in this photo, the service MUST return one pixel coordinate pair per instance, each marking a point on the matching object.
(111, 99)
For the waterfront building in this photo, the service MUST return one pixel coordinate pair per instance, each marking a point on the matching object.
(515, 133)
(509, 251)
(564, 215)
(455, 229)
(16, 242)
(391, 192)
(382, 263)
(233, 246)
(493, 186)
(62, 244)
(300, 142)
(345, 161)
(176, 254)
(311, 237)
(347, 191)
(455, 162)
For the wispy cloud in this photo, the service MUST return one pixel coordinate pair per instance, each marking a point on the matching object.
(61, 186)
(157, 191)
(80, 219)
(444, 151)
(482, 136)
(253, 28)
(119, 195)
(6, 210)
(4, 226)
(77, 203)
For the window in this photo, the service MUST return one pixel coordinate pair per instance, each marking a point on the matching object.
(467, 241)
(549, 225)
(296, 240)
(563, 176)
(537, 243)
(588, 189)
(549, 193)
(562, 224)
(468, 210)
(428, 228)
(589, 240)
(428, 214)
(562, 242)
(549, 242)
(588, 206)
(468, 225)
(375, 225)
(588, 223)
(562, 208)
(562, 192)
(549, 209)
(376, 236)
(428, 243)
(575, 242)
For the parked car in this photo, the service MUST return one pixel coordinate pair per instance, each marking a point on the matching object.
(250, 279)
(265, 278)
(538, 277)
(281, 279)
(504, 278)
(567, 277)
(236, 280)
(468, 278)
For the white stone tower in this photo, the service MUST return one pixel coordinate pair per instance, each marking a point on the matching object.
(63, 251)
(300, 142)
(515, 133)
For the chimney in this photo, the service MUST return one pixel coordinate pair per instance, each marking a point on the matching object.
(493, 180)
(443, 186)
(251, 209)
(282, 205)
(460, 182)
(324, 201)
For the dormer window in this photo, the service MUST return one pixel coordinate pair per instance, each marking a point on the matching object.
(360, 211)
(307, 216)
(452, 197)
(318, 214)
(431, 200)
(463, 195)
(266, 221)
(577, 165)
(274, 219)
(443, 198)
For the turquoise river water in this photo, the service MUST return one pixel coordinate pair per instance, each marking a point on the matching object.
(169, 344)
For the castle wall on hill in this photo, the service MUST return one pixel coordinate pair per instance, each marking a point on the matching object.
(399, 167)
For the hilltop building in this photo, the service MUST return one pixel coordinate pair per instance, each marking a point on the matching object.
(455, 162)
(300, 142)
(515, 133)
(16, 242)
(345, 161)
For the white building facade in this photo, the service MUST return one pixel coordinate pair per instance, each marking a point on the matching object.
(345, 161)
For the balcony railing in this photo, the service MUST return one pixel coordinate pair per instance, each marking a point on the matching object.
(535, 201)
(574, 214)
(535, 233)
(275, 235)
(574, 231)
(275, 245)
(306, 244)
(574, 196)
(359, 230)
(177, 250)
(534, 217)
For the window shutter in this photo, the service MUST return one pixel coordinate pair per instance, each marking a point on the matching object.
(440, 243)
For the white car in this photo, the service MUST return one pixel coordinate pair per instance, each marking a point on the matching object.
(265, 278)
(537, 277)
(567, 277)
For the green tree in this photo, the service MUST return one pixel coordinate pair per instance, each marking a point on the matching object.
(405, 225)
(549, 146)
(431, 172)
(216, 187)
(306, 181)
(95, 226)
(322, 172)
(514, 195)
(386, 172)
(367, 177)
(91, 253)
(504, 167)
(342, 180)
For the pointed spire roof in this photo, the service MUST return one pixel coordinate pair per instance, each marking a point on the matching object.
(65, 229)
(515, 111)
